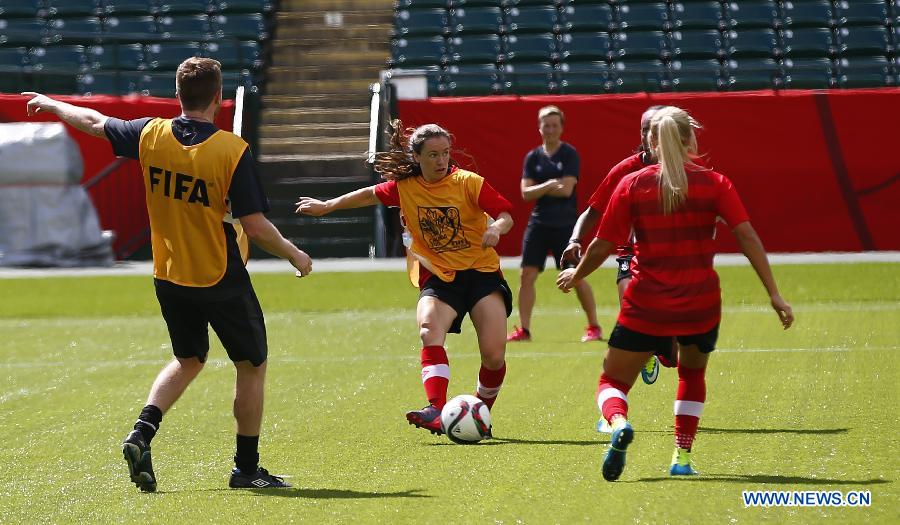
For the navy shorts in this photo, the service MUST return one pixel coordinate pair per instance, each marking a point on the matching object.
(465, 290)
(624, 263)
(238, 321)
(540, 240)
(626, 339)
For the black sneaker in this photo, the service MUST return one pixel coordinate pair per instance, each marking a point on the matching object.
(261, 479)
(140, 467)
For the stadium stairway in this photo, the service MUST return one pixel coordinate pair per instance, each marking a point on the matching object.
(314, 126)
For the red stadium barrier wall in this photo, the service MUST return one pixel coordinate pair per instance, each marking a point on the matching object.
(124, 187)
(815, 169)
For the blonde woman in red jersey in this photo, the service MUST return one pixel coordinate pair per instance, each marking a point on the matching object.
(672, 208)
(446, 211)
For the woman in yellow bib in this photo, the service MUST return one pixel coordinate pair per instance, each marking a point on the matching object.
(446, 210)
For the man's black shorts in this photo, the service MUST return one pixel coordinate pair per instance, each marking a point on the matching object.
(465, 290)
(624, 263)
(539, 240)
(238, 321)
(632, 341)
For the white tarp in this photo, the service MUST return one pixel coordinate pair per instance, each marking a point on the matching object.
(46, 217)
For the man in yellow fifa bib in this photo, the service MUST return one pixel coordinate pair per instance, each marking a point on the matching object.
(192, 172)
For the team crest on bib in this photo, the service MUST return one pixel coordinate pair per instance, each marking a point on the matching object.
(442, 228)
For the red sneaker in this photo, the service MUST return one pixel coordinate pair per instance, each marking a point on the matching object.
(521, 335)
(592, 333)
(428, 418)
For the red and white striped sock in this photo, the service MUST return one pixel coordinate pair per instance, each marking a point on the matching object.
(489, 383)
(612, 398)
(689, 404)
(435, 374)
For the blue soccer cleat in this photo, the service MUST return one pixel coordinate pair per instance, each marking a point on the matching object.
(651, 370)
(681, 463)
(614, 463)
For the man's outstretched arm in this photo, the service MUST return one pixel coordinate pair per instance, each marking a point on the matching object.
(83, 119)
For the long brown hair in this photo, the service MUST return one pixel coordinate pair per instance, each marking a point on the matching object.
(397, 163)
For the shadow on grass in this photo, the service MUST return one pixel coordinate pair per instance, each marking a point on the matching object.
(512, 441)
(774, 430)
(764, 478)
(335, 493)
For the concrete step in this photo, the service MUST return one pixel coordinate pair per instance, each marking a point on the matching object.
(336, 20)
(293, 29)
(297, 56)
(335, 5)
(344, 130)
(300, 87)
(305, 145)
(314, 115)
(341, 100)
(278, 158)
(352, 169)
(288, 47)
(292, 74)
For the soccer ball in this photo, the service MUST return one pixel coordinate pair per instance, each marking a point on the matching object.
(466, 419)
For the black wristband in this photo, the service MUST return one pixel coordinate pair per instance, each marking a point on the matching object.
(574, 241)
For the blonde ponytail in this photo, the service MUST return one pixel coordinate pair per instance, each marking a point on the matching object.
(672, 136)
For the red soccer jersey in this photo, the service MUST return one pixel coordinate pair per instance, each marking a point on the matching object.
(675, 290)
(601, 195)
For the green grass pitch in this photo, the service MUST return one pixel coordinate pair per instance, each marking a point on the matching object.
(813, 408)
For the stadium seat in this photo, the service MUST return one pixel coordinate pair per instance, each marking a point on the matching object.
(243, 6)
(230, 82)
(58, 58)
(530, 78)
(128, 7)
(519, 3)
(475, 49)
(862, 13)
(112, 56)
(471, 20)
(808, 42)
(587, 17)
(857, 72)
(698, 15)
(752, 14)
(701, 44)
(642, 44)
(473, 79)
(18, 9)
(814, 13)
(70, 8)
(585, 77)
(190, 26)
(420, 4)
(753, 43)
(107, 83)
(520, 48)
(407, 52)
(87, 27)
(809, 73)
(185, 7)
(636, 16)
(234, 55)
(752, 73)
(127, 25)
(250, 26)
(586, 46)
(532, 20)
(160, 85)
(696, 75)
(23, 31)
(638, 76)
(864, 40)
(170, 55)
(13, 57)
(420, 22)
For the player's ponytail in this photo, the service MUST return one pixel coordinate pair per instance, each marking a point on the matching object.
(397, 163)
(672, 137)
